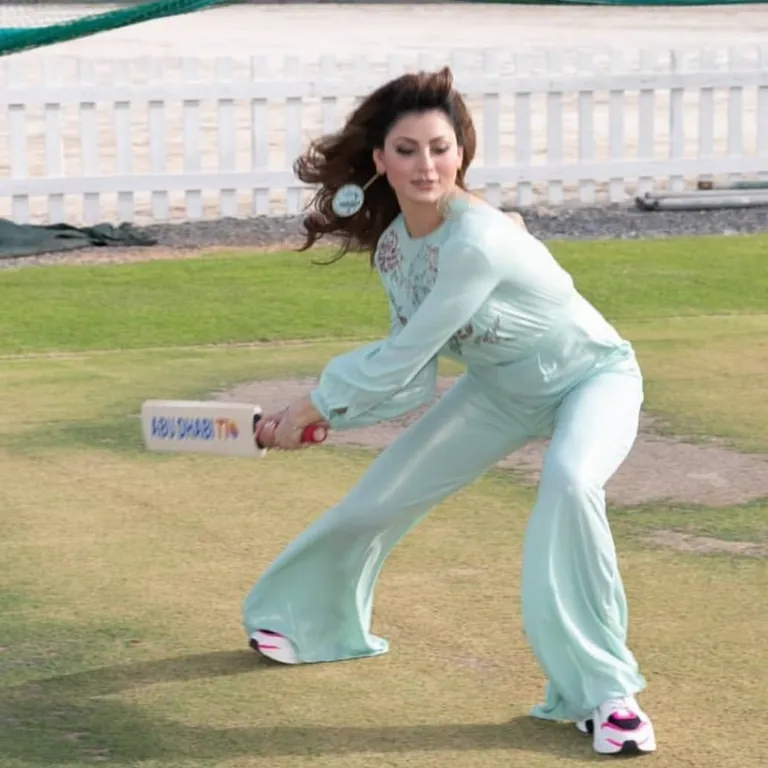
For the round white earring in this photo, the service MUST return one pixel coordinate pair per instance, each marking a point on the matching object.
(348, 199)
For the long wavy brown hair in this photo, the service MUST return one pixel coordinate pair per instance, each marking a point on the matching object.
(346, 157)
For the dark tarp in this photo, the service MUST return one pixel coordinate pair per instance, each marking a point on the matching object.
(18, 240)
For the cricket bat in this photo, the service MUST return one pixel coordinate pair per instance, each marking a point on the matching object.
(209, 426)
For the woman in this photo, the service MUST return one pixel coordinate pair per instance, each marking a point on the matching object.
(467, 282)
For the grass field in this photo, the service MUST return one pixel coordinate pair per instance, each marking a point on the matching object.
(121, 573)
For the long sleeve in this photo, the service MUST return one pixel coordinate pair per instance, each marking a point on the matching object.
(419, 391)
(352, 387)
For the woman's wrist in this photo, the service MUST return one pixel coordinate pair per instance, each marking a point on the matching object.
(303, 413)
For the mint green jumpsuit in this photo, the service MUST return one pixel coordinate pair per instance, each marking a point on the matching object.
(540, 362)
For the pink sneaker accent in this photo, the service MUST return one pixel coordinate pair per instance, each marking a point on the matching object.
(624, 728)
(273, 646)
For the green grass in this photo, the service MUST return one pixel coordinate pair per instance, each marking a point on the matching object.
(746, 523)
(694, 308)
(222, 300)
(121, 573)
(279, 296)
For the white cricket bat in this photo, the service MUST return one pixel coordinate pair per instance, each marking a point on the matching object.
(208, 426)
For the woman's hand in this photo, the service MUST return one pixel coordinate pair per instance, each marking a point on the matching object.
(265, 430)
(293, 420)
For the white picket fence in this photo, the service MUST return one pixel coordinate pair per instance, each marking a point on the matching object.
(164, 140)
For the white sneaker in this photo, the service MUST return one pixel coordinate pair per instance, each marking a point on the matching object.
(273, 646)
(619, 726)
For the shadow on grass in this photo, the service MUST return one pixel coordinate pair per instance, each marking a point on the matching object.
(119, 434)
(72, 718)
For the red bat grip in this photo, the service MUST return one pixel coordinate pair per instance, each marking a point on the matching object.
(264, 433)
(314, 433)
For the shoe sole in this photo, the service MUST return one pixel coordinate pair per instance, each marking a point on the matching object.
(628, 747)
(273, 646)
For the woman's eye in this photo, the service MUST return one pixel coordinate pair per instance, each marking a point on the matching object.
(435, 150)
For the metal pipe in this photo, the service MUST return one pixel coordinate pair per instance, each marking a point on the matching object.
(746, 184)
(704, 194)
(689, 203)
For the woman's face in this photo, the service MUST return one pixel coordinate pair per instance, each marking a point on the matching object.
(420, 157)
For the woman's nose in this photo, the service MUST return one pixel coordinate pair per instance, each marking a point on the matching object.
(425, 161)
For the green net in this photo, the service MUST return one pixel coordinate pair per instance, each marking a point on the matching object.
(26, 24)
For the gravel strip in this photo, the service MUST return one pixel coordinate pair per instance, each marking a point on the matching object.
(614, 222)
(593, 223)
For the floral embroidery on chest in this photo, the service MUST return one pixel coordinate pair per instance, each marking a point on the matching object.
(413, 278)
(422, 273)
(491, 335)
(432, 255)
(388, 254)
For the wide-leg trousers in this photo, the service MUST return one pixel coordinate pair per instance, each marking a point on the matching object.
(319, 591)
